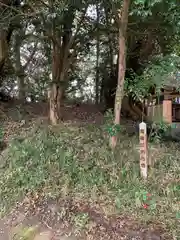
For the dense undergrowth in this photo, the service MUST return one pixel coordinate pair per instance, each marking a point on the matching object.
(76, 161)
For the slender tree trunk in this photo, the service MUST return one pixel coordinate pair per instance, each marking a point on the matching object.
(3, 48)
(21, 87)
(5, 34)
(97, 54)
(18, 67)
(102, 91)
(106, 84)
(121, 68)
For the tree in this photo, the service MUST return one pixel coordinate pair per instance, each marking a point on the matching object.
(148, 34)
(59, 29)
(68, 36)
(8, 11)
(20, 69)
(123, 22)
(97, 54)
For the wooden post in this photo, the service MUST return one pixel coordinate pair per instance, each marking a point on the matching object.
(167, 111)
(143, 149)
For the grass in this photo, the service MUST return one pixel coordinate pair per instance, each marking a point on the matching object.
(74, 161)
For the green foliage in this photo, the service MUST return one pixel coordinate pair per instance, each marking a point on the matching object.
(158, 131)
(109, 116)
(161, 71)
(158, 19)
(111, 128)
(77, 162)
(145, 199)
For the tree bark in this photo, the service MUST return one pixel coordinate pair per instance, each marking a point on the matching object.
(109, 81)
(122, 67)
(18, 67)
(21, 87)
(3, 48)
(60, 65)
(62, 40)
(5, 34)
(57, 89)
(54, 91)
(54, 104)
(97, 55)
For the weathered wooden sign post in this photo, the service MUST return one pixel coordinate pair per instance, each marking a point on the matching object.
(143, 149)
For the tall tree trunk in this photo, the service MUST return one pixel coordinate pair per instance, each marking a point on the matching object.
(108, 83)
(61, 61)
(122, 66)
(54, 104)
(5, 34)
(54, 96)
(3, 48)
(63, 40)
(101, 98)
(21, 87)
(55, 91)
(18, 67)
(97, 55)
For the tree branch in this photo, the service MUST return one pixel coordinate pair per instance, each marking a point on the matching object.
(20, 12)
(71, 41)
(30, 57)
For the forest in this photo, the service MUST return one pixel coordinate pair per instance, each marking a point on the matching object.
(76, 79)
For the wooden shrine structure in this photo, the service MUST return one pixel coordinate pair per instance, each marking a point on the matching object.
(166, 107)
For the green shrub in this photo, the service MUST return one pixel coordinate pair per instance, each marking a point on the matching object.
(159, 131)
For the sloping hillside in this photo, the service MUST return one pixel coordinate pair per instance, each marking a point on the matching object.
(65, 180)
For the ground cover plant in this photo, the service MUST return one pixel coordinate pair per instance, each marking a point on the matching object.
(76, 162)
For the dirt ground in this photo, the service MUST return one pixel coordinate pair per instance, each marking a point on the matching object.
(44, 223)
